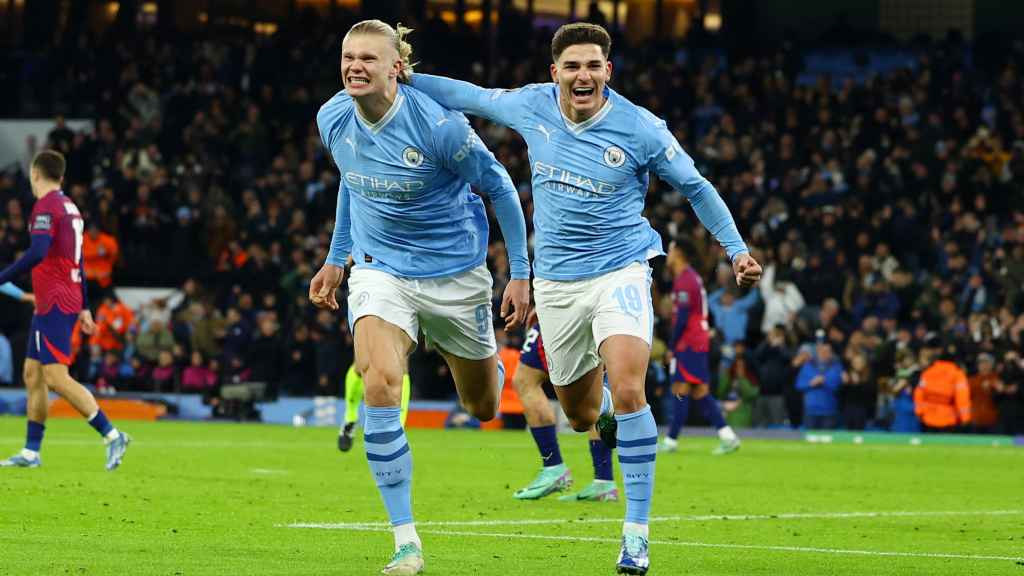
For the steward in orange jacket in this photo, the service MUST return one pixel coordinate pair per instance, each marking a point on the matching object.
(943, 399)
(100, 251)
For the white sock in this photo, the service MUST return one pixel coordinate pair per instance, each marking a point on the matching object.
(407, 533)
(112, 435)
(726, 434)
(30, 454)
(632, 528)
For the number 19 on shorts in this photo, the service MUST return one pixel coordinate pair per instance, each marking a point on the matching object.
(629, 299)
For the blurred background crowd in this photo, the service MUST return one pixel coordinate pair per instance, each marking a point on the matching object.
(887, 209)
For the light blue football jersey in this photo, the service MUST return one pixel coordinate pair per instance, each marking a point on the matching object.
(404, 202)
(590, 178)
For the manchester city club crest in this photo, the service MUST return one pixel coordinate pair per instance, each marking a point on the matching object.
(362, 299)
(614, 156)
(412, 157)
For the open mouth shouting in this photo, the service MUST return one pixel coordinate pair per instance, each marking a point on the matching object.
(582, 94)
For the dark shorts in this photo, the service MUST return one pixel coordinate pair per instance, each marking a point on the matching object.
(49, 338)
(532, 354)
(691, 367)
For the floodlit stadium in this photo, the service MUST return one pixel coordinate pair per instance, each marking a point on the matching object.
(482, 287)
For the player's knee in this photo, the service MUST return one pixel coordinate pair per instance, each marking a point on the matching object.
(629, 398)
(581, 425)
(582, 420)
(698, 391)
(525, 387)
(56, 377)
(386, 376)
(483, 410)
(33, 378)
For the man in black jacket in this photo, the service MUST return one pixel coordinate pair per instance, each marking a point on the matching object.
(774, 371)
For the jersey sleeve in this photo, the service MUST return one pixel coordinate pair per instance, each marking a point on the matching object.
(341, 240)
(328, 122)
(9, 289)
(508, 107)
(43, 219)
(665, 157)
(462, 152)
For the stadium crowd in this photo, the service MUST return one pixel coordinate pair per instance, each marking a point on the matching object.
(889, 215)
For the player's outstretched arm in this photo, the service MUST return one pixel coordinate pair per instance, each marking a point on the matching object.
(9, 289)
(34, 255)
(466, 155)
(668, 160)
(497, 105)
(323, 288)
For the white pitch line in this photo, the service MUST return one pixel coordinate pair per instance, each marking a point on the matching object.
(226, 444)
(268, 471)
(765, 547)
(806, 549)
(701, 518)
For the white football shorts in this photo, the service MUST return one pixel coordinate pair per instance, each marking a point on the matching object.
(453, 312)
(576, 316)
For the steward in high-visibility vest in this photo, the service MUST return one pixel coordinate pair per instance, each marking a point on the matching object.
(942, 399)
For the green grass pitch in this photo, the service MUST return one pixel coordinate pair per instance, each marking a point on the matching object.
(197, 498)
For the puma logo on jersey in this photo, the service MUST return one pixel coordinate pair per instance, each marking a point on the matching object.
(544, 131)
(350, 143)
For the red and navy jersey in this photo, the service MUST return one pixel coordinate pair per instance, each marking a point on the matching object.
(690, 313)
(533, 354)
(57, 280)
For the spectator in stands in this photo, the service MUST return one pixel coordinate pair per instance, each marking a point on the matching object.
(738, 391)
(904, 418)
(854, 396)
(300, 366)
(819, 379)
(197, 376)
(984, 414)
(237, 337)
(782, 299)
(265, 354)
(208, 329)
(327, 341)
(772, 360)
(1009, 394)
(164, 376)
(731, 313)
(154, 340)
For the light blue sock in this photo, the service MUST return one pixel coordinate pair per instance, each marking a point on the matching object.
(637, 445)
(606, 401)
(390, 461)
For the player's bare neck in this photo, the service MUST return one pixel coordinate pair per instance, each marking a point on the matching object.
(578, 116)
(373, 107)
(45, 188)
